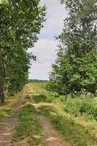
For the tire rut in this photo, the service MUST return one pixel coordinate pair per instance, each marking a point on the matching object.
(7, 126)
(51, 137)
(50, 134)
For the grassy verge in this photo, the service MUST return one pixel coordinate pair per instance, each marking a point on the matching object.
(73, 132)
(6, 108)
(28, 130)
(74, 117)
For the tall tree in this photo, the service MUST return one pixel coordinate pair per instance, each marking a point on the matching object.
(80, 27)
(73, 70)
(20, 23)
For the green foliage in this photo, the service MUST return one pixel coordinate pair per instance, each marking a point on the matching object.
(75, 68)
(20, 24)
(82, 105)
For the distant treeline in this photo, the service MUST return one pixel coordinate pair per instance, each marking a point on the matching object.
(36, 80)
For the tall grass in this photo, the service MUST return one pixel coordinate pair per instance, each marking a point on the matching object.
(83, 106)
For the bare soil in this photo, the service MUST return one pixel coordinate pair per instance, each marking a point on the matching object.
(7, 129)
(51, 137)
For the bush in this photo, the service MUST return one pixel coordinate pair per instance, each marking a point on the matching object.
(85, 106)
(74, 74)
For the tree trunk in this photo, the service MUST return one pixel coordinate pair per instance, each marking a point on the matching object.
(2, 98)
(4, 81)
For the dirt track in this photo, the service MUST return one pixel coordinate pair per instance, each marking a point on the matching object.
(7, 129)
(7, 126)
(50, 135)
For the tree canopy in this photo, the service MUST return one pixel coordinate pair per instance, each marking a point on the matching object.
(20, 23)
(76, 66)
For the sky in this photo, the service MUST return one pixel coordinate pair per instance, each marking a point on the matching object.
(45, 48)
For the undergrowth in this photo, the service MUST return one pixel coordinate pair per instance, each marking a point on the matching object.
(81, 106)
(5, 109)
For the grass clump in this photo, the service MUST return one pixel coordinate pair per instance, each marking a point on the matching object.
(39, 98)
(73, 132)
(28, 126)
(5, 109)
(4, 113)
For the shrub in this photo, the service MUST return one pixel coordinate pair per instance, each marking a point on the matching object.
(86, 106)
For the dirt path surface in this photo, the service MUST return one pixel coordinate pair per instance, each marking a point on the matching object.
(51, 137)
(7, 126)
(7, 130)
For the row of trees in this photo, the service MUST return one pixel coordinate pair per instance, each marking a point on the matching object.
(20, 22)
(76, 66)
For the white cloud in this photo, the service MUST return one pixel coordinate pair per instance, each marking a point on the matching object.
(46, 47)
(55, 15)
(46, 55)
